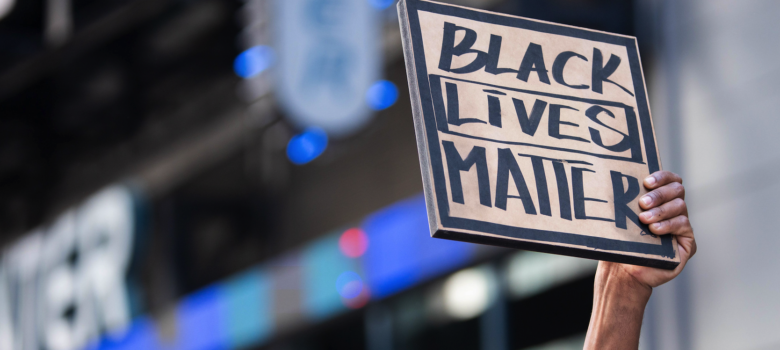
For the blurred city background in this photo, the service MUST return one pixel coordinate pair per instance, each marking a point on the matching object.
(225, 174)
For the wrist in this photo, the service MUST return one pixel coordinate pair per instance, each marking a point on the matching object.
(619, 302)
(614, 281)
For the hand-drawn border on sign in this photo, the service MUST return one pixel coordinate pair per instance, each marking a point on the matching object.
(665, 249)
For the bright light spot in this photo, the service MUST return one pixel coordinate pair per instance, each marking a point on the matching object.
(530, 273)
(5, 7)
(381, 95)
(253, 61)
(353, 242)
(467, 293)
(381, 4)
(307, 146)
(349, 285)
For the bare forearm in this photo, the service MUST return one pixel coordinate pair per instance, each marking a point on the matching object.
(618, 306)
(621, 291)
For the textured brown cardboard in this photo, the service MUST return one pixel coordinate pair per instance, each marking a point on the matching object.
(531, 134)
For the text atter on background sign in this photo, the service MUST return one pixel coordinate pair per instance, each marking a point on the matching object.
(65, 284)
(531, 134)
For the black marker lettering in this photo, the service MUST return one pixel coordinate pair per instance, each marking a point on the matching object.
(495, 92)
(448, 49)
(529, 124)
(595, 135)
(579, 195)
(506, 165)
(629, 141)
(453, 107)
(494, 111)
(601, 72)
(533, 61)
(494, 51)
(541, 186)
(554, 124)
(563, 190)
(456, 164)
(622, 198)
(560, 64)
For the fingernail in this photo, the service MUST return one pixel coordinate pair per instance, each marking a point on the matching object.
(646, 215)
(650, 180)
(646, 200)
(655, 226)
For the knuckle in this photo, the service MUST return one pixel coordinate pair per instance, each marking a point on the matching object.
(659, 227)
(674, 225)
(663, 196)
(673, 177)
(655, 196)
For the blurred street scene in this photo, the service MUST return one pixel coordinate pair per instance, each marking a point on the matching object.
(243, 174)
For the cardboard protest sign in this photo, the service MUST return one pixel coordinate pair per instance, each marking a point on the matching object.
(531, 134)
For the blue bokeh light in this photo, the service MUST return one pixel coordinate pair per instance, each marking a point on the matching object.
(349, 284)
(253, 61)
(402, 252)
(200, 320)
(141, 334)
(381, 4)
(307, 146)
(381, 95)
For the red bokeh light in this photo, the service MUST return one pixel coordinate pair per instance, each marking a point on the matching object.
(353, 242)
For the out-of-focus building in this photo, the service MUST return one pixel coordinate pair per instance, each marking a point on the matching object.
(166, 183)
(715, 110)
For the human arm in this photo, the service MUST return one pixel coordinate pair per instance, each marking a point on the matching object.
(621, 291)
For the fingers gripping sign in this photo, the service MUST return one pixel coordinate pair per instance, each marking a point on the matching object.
(665, 212)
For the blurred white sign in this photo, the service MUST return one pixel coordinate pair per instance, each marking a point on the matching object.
(5, 7)
(328, 57)
(62, 286)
